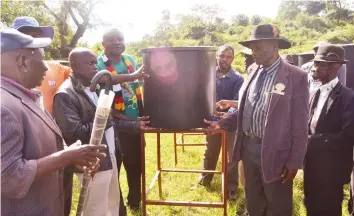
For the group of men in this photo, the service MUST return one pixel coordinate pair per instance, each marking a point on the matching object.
(275, 125)
(281, 128)
(47, 113)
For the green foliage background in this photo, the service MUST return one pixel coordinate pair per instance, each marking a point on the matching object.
(302, 22)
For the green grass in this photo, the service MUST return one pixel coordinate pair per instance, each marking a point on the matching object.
(177, 186)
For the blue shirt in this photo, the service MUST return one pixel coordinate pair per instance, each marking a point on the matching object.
(228, 85)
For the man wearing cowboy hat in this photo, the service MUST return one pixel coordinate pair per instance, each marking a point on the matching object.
(329, 158)
(271, 124)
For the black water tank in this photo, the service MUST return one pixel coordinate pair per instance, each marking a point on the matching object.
(180, 91)
(304, 58)
(349, 55)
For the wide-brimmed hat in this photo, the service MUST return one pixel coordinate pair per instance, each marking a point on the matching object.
(330, 53)
(25, 21)
(267, 32)
(246, 51)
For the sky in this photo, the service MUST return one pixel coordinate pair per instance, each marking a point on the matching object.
(138, 18)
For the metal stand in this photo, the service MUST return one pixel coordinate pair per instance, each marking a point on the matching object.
(157, 177)
(180, 142)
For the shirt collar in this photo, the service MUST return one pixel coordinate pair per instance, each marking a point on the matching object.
(273, 68)
(330, 85)
(227, 74)
(33, 94)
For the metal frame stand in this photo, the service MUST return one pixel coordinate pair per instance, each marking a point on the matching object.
(180, 142)
(157, 177)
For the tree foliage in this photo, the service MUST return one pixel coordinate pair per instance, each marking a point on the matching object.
(303, 23)
(58, 14)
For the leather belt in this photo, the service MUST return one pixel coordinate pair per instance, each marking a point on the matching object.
(254, 139)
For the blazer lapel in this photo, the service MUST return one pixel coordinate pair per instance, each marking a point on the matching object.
(32, 106)
(332, 97)
(281, 77)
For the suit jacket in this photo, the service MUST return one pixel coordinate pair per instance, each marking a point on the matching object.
(329, 157)
(27, 134)
(285, 134)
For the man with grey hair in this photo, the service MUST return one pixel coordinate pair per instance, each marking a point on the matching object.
(228, 84)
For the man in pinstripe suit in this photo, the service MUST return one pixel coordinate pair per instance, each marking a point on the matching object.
(271, 125)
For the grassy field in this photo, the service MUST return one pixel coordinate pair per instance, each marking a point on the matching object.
(177, 186)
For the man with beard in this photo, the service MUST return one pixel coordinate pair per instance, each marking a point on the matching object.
(228, 84)
(271, 124)
(329, 157)
(74, 111)
(33, 154)
(127, 106)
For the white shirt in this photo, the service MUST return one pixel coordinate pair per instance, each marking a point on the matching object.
(109, 133)
(325, 90)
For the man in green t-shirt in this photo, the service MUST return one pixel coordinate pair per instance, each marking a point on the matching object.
(127, 106)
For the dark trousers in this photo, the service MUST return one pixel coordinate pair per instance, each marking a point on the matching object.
(68, 188)
(263, 199)
(130, 146)
(323, 199)
(211, 157)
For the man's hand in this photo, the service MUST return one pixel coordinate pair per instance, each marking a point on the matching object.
(221, 114)
(84, 155)
(143, 118)
(288, 175)
(212, 126)
(92, 170)
(226, 104)
(140, 73)
(143, 125)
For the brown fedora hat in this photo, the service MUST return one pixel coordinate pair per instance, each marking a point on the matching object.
(266, 32)
(330, 53)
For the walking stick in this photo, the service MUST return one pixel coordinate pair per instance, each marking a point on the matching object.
(102, 112)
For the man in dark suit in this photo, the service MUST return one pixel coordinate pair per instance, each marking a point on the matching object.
(329, 158)
(271, 124)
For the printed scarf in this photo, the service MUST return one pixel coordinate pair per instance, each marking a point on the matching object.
(118, 97)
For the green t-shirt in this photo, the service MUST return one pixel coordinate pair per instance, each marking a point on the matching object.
(130, 101)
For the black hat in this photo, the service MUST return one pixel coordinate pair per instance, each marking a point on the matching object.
(266, 32)
(330, 53)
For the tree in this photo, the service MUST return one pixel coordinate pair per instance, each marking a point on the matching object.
(256, 20)
(58, 15)
(240, 20)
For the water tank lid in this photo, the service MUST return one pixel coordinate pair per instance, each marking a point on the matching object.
(190, 48)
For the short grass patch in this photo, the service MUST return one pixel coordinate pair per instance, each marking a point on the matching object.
(177, 186)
